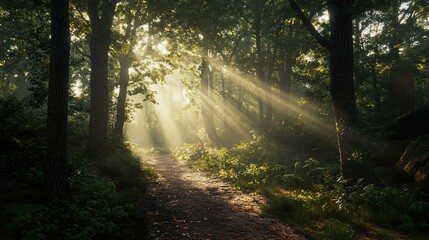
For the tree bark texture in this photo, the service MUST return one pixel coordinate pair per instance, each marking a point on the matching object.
(340, 47)
(342, 82)
(206, 106)
(285, 74)
(224, 101)
(401, 83)
(376, 89)
(124, 78)
(285, 78)
(257, 22)
(57, 172)
(99, 93)
(401, 92)
(268, 83)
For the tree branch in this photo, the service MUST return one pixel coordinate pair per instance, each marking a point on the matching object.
(81, 15)
(323, 84)
(320, 39)
(235, 47)
(80, 50)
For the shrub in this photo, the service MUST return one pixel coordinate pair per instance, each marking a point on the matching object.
(307, 191)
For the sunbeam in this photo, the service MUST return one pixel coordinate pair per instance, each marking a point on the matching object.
(279, 101)
(167, 122)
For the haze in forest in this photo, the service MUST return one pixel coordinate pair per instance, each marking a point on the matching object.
(311, 112)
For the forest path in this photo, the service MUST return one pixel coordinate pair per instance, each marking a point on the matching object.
(186, 204)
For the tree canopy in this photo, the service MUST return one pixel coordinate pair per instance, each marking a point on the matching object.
(329, 98)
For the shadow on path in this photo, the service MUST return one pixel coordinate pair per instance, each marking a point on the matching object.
(186, 204)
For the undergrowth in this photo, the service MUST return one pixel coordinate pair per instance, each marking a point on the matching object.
(104, 203)
(307, 192)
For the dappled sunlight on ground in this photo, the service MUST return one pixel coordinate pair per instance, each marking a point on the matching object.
(186, 204)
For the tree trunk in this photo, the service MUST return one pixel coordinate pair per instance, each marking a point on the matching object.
(285, 74)
(99, 92)
(224, 101)
(401, 92)
(57, 173)
(268, 108)
(257, 21)
(206, 104)
(342, 83)
(401, 83)
(359, 71)
(285, 78)
(376, 90)
(340, 46)
(268, 91)
(124, 78)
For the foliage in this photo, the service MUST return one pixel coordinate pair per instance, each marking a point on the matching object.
(24, 54)
(93, 214)
(248, 43)
(103, 205)
(307, 192)
(23, 149)
(244, 164)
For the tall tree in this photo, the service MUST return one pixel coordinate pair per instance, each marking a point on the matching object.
(57, 174)
(340, 48)
(134, 15)
(401, 83)
(201, 23)
(207, 108)
(124, 78)
(101, 13)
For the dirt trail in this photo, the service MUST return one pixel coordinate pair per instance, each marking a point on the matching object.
(186, 204)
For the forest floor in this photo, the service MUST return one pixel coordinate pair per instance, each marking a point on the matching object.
(186, 204)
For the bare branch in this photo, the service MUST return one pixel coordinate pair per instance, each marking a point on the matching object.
(80, 50)
(320, 39)
(82, 16)
(235, 47)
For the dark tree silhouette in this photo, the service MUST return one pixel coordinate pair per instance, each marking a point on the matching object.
(124, 78)
(207, 109)
(101, 26)
(401, 91)
(340, 47)
(401, 82)
(57, 174)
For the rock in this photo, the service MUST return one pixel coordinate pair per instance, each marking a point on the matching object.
(415, 160)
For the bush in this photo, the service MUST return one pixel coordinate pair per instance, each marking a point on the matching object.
(103, 206)
(306, 191)
(95, 212)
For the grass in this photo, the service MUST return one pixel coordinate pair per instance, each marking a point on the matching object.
(336, 230)
(154, 151)
(309, 196)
